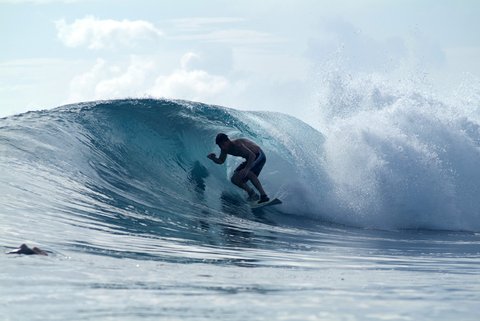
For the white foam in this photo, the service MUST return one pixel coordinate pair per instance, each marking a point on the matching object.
(399, 158)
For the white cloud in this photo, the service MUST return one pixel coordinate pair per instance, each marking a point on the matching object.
(189, 83)
(106, 80)
(141, 77)
(131, 82)
(82, 87)
(188, 60)
(100, 34)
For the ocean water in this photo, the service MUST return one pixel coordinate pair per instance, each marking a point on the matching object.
(380, 219)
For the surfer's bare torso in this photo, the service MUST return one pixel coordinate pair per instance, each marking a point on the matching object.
(242, 148)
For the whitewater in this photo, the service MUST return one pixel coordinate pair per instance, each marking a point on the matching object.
(380, 216)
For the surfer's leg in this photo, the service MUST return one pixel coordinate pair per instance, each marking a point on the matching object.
(241, 183)
(254, 179)
(253, 176)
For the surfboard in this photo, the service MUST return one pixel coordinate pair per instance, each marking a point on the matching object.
(273, 201)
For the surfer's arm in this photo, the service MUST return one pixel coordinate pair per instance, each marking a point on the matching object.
(220, 159)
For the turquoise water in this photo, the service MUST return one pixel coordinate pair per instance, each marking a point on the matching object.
(139, 224)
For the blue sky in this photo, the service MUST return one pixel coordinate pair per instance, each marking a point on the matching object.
(251, 55)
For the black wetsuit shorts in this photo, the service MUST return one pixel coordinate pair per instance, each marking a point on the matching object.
(257, 164)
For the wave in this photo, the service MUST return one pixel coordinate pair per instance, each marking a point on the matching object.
(145, 161)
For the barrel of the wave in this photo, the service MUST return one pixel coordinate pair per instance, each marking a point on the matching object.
(248, 171)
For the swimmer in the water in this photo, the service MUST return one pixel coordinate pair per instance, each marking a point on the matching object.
(24, 249)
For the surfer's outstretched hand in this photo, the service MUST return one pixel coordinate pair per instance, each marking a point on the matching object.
(211, 155)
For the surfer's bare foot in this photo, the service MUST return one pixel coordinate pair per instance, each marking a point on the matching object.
(263, 199)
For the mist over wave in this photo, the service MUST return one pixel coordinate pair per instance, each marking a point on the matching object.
(398, 156)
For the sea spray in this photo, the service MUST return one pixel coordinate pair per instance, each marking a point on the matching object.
(399, 157)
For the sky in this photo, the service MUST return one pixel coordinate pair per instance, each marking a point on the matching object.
(249, 55)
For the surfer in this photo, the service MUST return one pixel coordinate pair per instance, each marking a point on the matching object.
(249, 169)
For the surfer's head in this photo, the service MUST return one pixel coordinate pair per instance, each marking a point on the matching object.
(221, 139)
